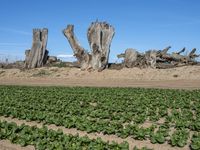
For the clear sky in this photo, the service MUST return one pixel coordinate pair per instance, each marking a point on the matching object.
(140, 24)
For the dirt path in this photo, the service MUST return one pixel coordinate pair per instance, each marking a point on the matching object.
(7, 145)
(106, 138)
(183, 77)
(176, 84)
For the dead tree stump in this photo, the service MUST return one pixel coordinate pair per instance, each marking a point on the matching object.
(37, 55)
(150, 58)
(100, 36)
(130, 57)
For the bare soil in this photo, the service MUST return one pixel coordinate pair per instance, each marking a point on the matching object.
(187, 77)
(7, 145)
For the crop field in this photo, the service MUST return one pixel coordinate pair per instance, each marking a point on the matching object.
(161, 116)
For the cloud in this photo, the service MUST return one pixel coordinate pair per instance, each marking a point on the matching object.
(65, 56)
(15, 31)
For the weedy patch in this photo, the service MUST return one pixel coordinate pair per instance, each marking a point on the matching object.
(2, 72)
(54, 69)
(59, 65)
(175, 75)
(41, 73)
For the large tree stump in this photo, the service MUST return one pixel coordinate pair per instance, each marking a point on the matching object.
(150, 58)
(37, 56)
(130, 57)
(99, 35)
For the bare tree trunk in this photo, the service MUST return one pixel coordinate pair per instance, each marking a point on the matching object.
(83, 57)
(99, 35)
(37, 56)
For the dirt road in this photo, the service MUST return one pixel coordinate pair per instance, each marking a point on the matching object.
(182, 77)
(180, 84)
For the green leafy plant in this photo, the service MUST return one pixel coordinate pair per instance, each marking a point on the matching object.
(43, 138)
(195, 141)
(119, 111)
(179, 138)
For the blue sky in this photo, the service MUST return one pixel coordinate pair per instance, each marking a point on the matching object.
(140, 24)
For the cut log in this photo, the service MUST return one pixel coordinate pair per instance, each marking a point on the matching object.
(99, 35)
(37, 56)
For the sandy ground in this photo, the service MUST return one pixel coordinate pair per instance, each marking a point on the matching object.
(7, 145)
(182, 77)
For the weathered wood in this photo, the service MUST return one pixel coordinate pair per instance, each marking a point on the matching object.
(164, 51)
(150, 57)
(99, 35)
(37, 56)
(130, 58)
(181, 51)
(158, 59)
(122, 55)
(51, 59)
(185, 59)
(83, 57)
(27, 54)
(192, 54)
(161, 65)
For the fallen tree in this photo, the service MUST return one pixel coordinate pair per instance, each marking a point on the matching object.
(157, 58)
(100, 36)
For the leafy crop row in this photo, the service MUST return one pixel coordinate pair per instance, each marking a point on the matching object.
(42, 139)
(119, 111)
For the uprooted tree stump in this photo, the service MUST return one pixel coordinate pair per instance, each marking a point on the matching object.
(132, 58)
(37, 55)
(100, 36)
(157, 58)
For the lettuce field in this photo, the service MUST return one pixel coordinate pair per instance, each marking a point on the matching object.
(158, 115)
